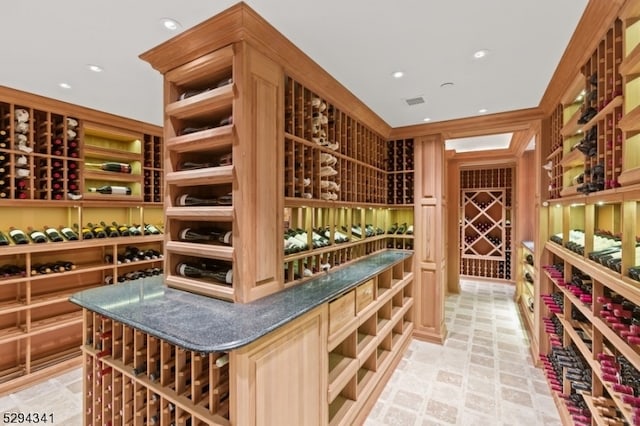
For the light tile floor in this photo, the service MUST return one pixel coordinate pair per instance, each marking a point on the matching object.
(481, 376)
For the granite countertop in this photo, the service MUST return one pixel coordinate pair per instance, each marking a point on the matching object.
(529, 245)
(205, 324)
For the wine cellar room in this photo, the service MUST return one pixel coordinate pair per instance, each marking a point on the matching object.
(214, 217)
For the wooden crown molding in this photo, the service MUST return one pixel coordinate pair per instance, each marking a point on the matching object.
(490, 124)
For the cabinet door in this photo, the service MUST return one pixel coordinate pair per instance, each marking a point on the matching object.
(281, 379)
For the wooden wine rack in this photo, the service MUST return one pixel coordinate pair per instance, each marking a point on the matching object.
(592, 108)
(329, 155)
(153, 170)
(553, 167)
(46, 146)
(568, 315)
(45, 153)
(134, 378)
(400, 177)
(485, 231)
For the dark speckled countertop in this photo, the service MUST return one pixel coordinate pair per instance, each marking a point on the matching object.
(204, 324)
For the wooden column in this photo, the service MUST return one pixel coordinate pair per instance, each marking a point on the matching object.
(430, 244)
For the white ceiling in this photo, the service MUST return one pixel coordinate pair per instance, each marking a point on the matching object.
(359, 42)
(479, 143)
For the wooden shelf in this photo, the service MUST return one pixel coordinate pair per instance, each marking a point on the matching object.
(608, 109)
(205, 176)
(572, 127)
(201, 250)
(573, 158)
(631, 63)
(209, 214)
(570, 191)
(103, 153)
(629, 177)
(631, 120)
(203, 105)
(211, 139)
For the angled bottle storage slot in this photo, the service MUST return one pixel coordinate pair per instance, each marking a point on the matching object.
(112, 167)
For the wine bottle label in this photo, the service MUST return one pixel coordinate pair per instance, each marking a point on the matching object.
(16, 232)
(229, 277)
(182, 200)
(183, 233)
(181, 269)
(120, 190)
(227, 238)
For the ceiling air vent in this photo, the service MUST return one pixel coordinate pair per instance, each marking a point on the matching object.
(414, 101)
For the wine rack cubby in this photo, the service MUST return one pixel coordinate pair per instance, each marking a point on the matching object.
(400, 172)
(553, 166)
(135, 378)
(329, 155)
(486, 222)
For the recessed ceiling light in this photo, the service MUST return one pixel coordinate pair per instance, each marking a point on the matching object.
(170, 24)
(482, 111)
(427, 119)
(94, 68)
(65, 85)
(398, 74)
(480, 53)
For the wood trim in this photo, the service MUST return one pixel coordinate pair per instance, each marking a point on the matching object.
(591, 28)
(27, 380)
(503, 122)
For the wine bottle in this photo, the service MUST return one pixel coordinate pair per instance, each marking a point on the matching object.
(18, 236)
(191, 165)
(68, 233)
(134, 230)
(151, 229)
(206, 235)
(111, 167)
(85, 232)
(189, 200)
(111, 231)
(53, 234)
(193, 271)
(97, 231)
(112, 189)
(4, 240)
(122, 229)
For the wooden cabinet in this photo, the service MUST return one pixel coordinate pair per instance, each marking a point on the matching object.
(369, 329)
(486, 222)
(279, 379)
(49, 149)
